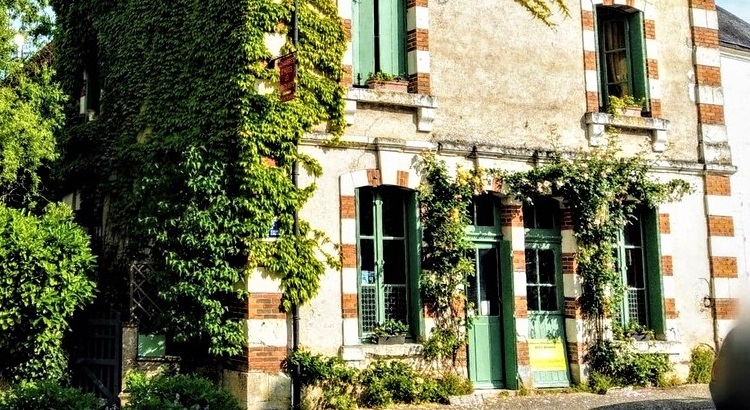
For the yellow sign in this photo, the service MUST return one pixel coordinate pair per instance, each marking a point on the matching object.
(547, 355)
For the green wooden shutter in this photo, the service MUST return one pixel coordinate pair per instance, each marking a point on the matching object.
(363, 39)
(414, 239)
(654, 287)
(508, 320)
(639, 75)
(392, 32)
(601, 67)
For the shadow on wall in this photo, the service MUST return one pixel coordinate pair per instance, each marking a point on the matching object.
(691, 403)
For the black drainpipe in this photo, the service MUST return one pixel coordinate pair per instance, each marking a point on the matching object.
(296, 372)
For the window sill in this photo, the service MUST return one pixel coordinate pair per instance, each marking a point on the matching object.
(424, 105)
(375, 351)
(597, 123)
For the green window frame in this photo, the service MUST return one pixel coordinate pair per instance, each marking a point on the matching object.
(387, 257)
(621, 47)
(378, 38)
(639, 264)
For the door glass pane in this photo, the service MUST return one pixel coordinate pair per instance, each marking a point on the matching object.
(548, 298)
(547, 266)
(368, 308)
(472, 289)
(393, 212)
(532, 297)
(489, 297)
(364, 212)
(529, 218)
(394, 262)
(531, 266)
(632, 233)
(395, 302)
(485, 210)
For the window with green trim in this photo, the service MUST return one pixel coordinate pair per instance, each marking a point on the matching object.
(622, 53)
(387, 256)
(639, 264)
(378, 38)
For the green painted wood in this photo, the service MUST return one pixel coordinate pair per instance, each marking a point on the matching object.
(485, 336)
(546, 318)
(654, 283)
(639, 76)
(363, 39)
(392, 36)
(414, 243)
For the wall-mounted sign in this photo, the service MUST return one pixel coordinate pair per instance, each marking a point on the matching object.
(547, 355)
(287, 76)
(275, 230)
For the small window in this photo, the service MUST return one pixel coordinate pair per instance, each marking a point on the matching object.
(621, 48)
(638, 263)
(378, 38)
(543, 214)
(481, 211)
(385, 246)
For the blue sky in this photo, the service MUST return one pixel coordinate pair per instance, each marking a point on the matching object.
(740, 8)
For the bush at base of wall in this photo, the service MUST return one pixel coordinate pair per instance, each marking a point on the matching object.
(179, 392)
(48, 395)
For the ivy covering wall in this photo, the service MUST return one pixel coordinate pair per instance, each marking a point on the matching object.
(189, 163)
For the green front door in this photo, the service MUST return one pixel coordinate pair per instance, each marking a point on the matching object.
(485, 336)
(547, 352)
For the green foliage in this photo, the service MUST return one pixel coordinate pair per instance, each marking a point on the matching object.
(631, 330)
(542, 10)
(390, 327)
(381, 384)
(600, 383)
(164, 392)
(602, 189)
(47, 395)
(701, 362)
(181, 149)
(44, 266)
(445, 265)
(619, 364)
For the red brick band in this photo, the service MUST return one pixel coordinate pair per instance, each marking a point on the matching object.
(720, 225)
(666, 265)
(264, 306)
(723, 267)
(521, 307)
(717, 185)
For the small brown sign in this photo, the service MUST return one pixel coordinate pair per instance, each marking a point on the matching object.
(287, 76)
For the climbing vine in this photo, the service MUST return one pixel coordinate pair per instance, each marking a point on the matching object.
(191, 159)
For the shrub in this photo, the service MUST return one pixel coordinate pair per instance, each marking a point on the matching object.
(600, 383)
(452, 384)
(164, 392)
(47, 395)
(701, 361)
(331, 375)
(623, 366)
(44, 266)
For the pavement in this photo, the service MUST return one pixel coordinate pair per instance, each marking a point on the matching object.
(691, 397)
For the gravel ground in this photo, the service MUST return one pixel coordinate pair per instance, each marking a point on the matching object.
(691, 397)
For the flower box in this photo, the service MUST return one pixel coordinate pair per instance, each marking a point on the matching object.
(398, 86)
(391, 340)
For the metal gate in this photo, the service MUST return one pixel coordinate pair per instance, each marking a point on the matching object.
(97, 357)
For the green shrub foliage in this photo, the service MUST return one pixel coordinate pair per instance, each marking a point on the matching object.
(183, 143)
(701, 362)
(45, 264)
(47, 395)
(616, 363)
(166, 392)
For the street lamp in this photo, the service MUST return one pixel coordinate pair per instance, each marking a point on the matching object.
(19, 40)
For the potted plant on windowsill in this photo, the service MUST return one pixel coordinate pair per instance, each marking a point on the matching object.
(633, 331)
(390, 332)
(626, 106)
(387, 82)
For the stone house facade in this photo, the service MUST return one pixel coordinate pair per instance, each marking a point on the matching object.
(476, 98)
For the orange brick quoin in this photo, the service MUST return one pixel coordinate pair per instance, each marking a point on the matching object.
(519, 261)
(419, 83)
(723, 267)
(705, 37)
(717, 185)
(569, 264)
(348, 209)
(666, 265)
(703, 4)
(664, 225)
(402, 178)
(373, 177)
(349, 305)
(711, 114)
(572, 309)
(522, 350)
(349, 256)
(417, 39)
(726, 308)
(720, 225)
(522, 310)
(670, 309)
(265, 306)
(707, 75)
(587, 20)
(511, 215)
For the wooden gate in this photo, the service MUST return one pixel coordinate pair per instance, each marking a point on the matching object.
(96, 359)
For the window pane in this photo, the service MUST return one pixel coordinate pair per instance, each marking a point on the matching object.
(531, 266)
(393, 212)
(395, 302)
(485, 210)
(532, 297)
(547, 266)
(394, 262)
(634, 263)
(364, 212)
(632, 233)
(472, 288)
(368, 308)
(529, 219)
(367, 255)
(546, 214)
(637, 306)
(614, 35)
(548, 298)
(488, 275)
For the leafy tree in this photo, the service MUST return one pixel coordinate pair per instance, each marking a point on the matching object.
(45, 257)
